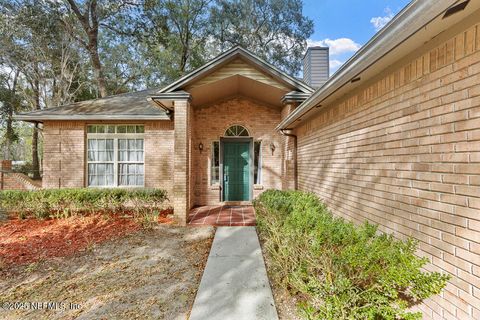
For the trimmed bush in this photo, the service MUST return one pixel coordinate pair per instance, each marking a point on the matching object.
(338, 270)
(62, 203)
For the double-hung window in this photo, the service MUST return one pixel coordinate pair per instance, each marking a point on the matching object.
(115, 155)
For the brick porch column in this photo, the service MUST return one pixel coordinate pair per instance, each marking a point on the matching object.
(289, 153)
(5, 166)
(181, 174)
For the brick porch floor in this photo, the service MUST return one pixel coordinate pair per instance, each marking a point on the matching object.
(222, 216)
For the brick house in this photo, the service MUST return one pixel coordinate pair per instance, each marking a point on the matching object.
(392, 137)
(209, 137)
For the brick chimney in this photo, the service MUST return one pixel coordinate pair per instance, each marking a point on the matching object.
(316, 66)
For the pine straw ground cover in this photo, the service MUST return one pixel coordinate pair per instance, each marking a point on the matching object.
(24, 241)
(131, 273)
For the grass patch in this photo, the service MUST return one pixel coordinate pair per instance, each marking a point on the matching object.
(338, 270)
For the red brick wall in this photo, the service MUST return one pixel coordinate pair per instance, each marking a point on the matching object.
(15, 181)
(10, 183)
(159, 155)
(404, 152)
(64, 154)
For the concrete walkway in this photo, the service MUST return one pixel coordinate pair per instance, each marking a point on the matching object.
(234, 284)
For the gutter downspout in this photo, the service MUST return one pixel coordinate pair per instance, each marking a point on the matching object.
(295, 165)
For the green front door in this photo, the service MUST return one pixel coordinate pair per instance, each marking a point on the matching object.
(236, 171)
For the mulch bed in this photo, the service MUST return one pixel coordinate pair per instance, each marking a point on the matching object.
(31, 240)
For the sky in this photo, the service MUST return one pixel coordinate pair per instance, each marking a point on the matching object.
(346, 25)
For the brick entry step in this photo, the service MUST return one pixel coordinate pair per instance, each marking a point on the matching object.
(222, 216)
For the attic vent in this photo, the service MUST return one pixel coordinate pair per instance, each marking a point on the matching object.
(355, 79)
(456, 8)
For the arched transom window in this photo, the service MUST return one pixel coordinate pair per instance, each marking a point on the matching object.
(236, 131)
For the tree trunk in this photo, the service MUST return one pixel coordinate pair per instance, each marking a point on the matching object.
(35, 156)
(98, 72)
(90, 22)
(10, 134)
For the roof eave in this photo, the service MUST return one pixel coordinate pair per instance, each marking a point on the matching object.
(412, 18)
(42, 118)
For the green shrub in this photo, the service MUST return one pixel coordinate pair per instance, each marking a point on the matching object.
(336, 269)
(62, 203)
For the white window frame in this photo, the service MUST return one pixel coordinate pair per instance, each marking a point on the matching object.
(115, 136)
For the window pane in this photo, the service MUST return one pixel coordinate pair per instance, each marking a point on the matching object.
(91, 147)
(109, 174)
(257, 162)
(111, 129)
(130, 129)
(122, 129)
(122, 144)
(100, 169)
(130, 150)
(100, 149)
(110, 181)
(236, 131)
(130, 174)
(215, 169)
(91, 129)
(92, 144)
(100, 174)
(100, 129)
(140, 129)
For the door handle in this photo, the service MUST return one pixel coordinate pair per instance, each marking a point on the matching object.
(225, 178)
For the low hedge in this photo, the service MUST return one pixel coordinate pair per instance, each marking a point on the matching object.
(338, 270)
(58, 203)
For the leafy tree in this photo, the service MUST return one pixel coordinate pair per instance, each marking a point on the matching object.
(42, 56)
(89, 20)
(275, 30)
(177, 36)
(84, 20)
(73, 50)
(171, 35)
(9, 104)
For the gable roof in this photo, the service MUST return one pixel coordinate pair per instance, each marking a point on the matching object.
(238, 67)
(140, 105)
(127, 106)
(230, 55)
